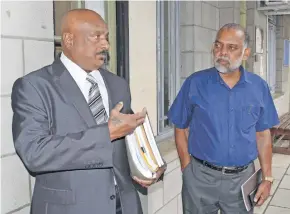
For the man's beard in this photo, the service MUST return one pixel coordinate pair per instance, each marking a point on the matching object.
(232, 65)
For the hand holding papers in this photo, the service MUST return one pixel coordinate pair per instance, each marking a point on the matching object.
(144, 157)
(120, 124)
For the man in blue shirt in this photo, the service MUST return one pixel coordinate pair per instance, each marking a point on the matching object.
(222, 118)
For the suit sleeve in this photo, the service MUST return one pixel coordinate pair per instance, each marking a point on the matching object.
(40, 150)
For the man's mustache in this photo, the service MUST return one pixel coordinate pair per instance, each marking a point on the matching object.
(104, 52)
(106, 55)
(223, 58)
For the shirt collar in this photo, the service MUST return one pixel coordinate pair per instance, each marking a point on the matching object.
(243, 78)
(78, 74)
(244, 75)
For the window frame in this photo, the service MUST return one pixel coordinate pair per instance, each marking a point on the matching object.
(271, 64)
(109, 13)
(286, 53)
(57, 39)
(174, 64)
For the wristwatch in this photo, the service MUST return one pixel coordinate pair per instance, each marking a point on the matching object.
(270, 179)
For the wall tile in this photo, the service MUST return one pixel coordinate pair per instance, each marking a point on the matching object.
(25, 210)
(172, 185)
(155, 197)
(7, 145)
(14, 183)
(186, 36)
(187, 64)
(37, 54)
(27, 18)
(12, 63)
(191, 13)
(202, 39)
(208, 15)
(170, 208)
(226, 16)
(226, 4)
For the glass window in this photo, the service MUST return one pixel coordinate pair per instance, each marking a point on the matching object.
(59, 9)
(107, 9)
(168, 60)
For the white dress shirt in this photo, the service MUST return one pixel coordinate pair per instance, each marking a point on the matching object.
(79, 76)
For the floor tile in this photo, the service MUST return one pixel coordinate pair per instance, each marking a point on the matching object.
(277, 210)
(275, 186)
(278, 172)
(281, 198)
(279, 160)
(285, 183)
(261, 209)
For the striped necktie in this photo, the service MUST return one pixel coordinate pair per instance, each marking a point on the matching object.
(95, 101)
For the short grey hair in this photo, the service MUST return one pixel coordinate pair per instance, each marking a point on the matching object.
(237, 27)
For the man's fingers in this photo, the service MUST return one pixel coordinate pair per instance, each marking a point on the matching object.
(119, 106)
(258, 195)
(141, 114)
(160, 172)
(143, 182)
(261, 200)
(140, 121)
(144, 112)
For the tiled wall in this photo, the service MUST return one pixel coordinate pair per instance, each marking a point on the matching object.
(282, 72)
(200, 21)
(257, 63)
(26, 45)
(283, 32)
(199, 24)
(164, 197)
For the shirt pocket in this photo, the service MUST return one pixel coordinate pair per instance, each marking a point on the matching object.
(249, 116)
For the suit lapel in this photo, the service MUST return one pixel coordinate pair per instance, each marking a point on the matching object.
(72, 92)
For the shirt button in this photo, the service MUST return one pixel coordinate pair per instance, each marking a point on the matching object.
(112, 197)
(232, 109)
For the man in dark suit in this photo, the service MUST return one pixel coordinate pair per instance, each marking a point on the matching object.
(69, 123)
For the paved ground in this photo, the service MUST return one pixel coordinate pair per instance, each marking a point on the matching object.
(279, 201)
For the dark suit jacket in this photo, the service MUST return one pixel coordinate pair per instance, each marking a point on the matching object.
(72, 157)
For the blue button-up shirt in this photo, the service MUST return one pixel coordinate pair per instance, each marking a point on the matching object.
(223, 122)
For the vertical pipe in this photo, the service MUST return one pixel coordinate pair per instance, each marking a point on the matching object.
(243, 18)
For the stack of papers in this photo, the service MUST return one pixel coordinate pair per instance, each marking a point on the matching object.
(143, 154)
